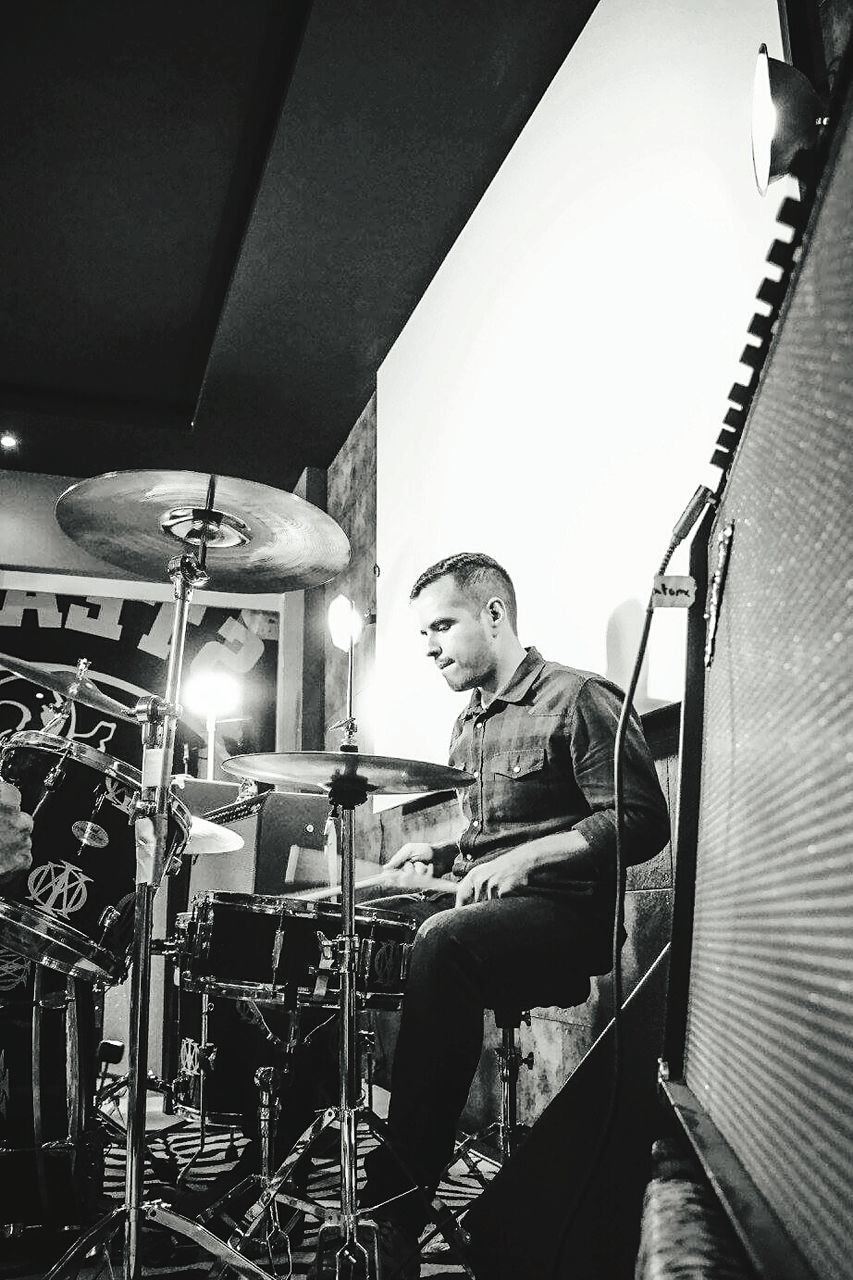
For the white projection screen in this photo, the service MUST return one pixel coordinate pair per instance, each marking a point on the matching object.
(556, 395)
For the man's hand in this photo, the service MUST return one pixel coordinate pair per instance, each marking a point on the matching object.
(495, 879)
(15, 828)
(417, 857)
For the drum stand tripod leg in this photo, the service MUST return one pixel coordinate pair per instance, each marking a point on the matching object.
(445, 1221)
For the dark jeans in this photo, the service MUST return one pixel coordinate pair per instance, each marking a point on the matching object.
(520, 951)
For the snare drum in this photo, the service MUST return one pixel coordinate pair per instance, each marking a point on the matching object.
(280, 950)
(74, 910)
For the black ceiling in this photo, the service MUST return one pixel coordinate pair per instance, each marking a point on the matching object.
(216, 216)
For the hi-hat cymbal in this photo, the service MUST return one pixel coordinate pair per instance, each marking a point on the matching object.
(258, 539)
(206, 838)
(61, 681)
(321, 771)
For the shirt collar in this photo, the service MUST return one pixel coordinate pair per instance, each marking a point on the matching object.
(516, 688)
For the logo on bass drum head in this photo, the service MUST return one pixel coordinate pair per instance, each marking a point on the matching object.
(89, 833)
(190, 1060)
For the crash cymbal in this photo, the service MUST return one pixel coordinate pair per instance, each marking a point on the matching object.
(258, 539)
(320, 771)
(61, 681)
(206, 838)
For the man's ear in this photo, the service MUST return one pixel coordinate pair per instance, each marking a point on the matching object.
(496, 609)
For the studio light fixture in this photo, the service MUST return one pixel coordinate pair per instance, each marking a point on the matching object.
(787, 118)
(345, 623)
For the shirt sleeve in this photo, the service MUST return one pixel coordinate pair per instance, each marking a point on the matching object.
(592, 735)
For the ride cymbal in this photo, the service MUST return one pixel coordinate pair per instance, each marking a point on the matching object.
(61, 681)
(322, 771)
(257, 538)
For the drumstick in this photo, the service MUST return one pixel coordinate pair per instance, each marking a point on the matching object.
(397, 879)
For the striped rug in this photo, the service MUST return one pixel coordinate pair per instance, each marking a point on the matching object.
(175, 1151)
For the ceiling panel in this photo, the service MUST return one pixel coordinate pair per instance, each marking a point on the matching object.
(219, 201)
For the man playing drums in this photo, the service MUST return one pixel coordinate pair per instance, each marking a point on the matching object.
(534, 907)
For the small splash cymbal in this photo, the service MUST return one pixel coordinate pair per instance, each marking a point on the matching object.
(206, 838)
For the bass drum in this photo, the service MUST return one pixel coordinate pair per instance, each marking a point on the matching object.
(74, 911)
(51, 1149)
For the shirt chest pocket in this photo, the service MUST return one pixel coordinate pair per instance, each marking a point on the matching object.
(520, 763)
(520, 784)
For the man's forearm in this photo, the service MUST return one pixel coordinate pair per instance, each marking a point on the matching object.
(566, 850)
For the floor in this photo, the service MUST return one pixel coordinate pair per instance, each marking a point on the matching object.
(171, 1145)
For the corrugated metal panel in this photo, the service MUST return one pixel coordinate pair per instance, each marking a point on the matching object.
(769, 1050)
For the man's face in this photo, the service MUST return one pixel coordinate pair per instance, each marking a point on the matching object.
(458, 634)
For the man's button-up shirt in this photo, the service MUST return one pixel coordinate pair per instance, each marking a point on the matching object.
(542, 754)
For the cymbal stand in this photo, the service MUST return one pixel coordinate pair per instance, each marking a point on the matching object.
(357, 1255)
(158, 717)
(350, 1228)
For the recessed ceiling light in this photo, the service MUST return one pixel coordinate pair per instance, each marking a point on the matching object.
(8, 441)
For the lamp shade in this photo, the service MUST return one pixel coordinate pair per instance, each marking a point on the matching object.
(345, 622)
(787, 116)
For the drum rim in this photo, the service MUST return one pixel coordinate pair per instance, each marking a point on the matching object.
(80, 751)
(258, 901)
(259, 992)
(100, 761)
(289, 904)
(217, 1119)
(84, 957)
(292, 997)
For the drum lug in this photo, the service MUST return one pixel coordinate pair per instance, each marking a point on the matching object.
(328, 946)
(348, 951)
(207, 1056)
(109, 917)
(368, 946)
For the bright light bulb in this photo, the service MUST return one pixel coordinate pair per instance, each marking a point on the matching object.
(211, 693)
(345, 623)
(8, 441)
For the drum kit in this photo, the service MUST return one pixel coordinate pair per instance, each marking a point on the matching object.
(105, 835)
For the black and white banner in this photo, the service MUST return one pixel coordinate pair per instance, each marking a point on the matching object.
(127, 643)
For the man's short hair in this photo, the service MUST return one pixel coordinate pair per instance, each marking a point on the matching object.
(477, 575)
